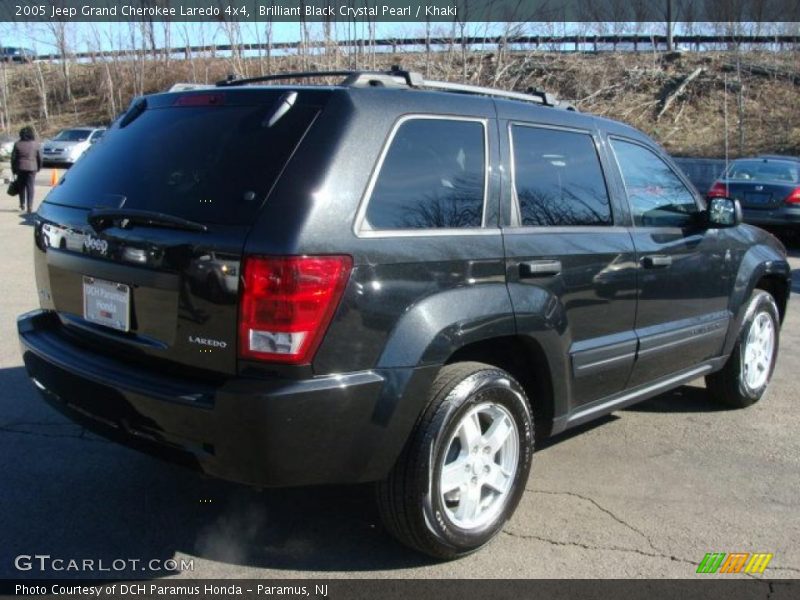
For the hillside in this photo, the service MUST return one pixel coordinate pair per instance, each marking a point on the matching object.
(761, 94)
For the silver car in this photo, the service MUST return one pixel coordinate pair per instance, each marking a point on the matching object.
(70, 144)
(6, 146)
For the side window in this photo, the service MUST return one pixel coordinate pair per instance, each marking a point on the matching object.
(433, 176)
(657, 196)
(558, 179)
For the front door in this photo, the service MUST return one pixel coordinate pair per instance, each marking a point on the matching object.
(681, 316)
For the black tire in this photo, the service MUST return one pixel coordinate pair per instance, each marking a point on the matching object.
(410, 503)
(729, 385)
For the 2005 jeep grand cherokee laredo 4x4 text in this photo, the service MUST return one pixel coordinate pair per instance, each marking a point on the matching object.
(386, 280)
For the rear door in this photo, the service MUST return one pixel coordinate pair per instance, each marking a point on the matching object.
(570, 258)
(140, 244)
(684, 268)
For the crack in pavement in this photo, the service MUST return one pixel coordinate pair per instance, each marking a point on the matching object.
(792, 569)
(602, 509)
(526, 536)
(657, 553)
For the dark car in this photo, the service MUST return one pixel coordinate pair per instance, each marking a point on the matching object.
(14, 54)
(768, 188)
(416, 274)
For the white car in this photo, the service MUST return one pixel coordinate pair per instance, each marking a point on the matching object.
(70, 144)
(6, 146)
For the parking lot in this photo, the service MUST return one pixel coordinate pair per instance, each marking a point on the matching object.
(645, 492)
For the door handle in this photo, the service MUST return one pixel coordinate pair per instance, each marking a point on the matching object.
(656, 261)
(539, 268)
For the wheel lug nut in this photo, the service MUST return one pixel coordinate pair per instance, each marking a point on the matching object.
(486, 449)
(474, 449)
(474, 480)
(467, 468)
(486, 468)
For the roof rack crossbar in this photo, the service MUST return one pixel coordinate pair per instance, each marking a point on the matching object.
(295, 75)
(416, 80)
(400, 78)
(447, 86)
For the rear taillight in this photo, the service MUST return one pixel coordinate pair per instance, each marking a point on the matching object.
(718, 190)
(794, 197)
(206, 99)
(287, 304)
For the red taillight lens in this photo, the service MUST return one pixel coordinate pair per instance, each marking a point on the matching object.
(287, 304)
(718, 190)
(794, 197)
(210, 99)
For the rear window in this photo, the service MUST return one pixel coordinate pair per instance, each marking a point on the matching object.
(212, 164)
(765, 171)
(433, 177)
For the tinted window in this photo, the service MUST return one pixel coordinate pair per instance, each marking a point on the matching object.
(656, 195)
(765, 171)
(432, 177)
(558, 179)
(208, 164)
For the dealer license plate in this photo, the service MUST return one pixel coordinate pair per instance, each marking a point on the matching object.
(107, 303)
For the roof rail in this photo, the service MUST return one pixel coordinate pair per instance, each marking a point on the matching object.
(348, 75)
(397, 77)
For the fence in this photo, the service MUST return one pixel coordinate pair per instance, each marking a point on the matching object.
(566, 43)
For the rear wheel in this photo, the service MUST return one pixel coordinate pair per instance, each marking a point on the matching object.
(745, 377)
(464, 468)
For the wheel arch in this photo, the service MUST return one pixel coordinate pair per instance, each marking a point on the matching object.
(525, 359)
(764, 268)
(779, 288)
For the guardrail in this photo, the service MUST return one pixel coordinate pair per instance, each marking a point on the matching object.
(567, 43)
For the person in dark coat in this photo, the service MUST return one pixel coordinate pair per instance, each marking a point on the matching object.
(26, 161)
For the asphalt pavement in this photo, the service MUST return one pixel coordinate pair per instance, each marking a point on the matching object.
(645, 492)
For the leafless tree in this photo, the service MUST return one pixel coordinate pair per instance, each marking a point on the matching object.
(109, 98)
(5, 109)
(233, 34)
(60, 32)
(40, 83)
(189, 56)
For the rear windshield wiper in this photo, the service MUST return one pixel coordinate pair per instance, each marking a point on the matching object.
(103, 218)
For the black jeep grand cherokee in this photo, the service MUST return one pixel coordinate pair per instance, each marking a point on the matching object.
(370, 282)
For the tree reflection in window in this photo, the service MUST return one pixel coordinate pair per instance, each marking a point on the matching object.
(433, 177)
(558, 179)
(656, 195)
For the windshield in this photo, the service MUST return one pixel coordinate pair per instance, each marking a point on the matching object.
(775, 171)
(211, 164)
(73, 135)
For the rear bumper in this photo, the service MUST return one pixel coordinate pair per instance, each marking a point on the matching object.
(784, 216)
(332, 429)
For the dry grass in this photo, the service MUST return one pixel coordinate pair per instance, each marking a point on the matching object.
(763, 107)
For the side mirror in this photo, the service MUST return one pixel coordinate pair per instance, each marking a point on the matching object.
(723, 212)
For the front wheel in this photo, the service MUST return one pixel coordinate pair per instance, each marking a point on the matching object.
(745, 377)
(464, 468)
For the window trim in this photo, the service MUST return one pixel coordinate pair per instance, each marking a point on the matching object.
(361, 215)
(646, 147)
(515, 198)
